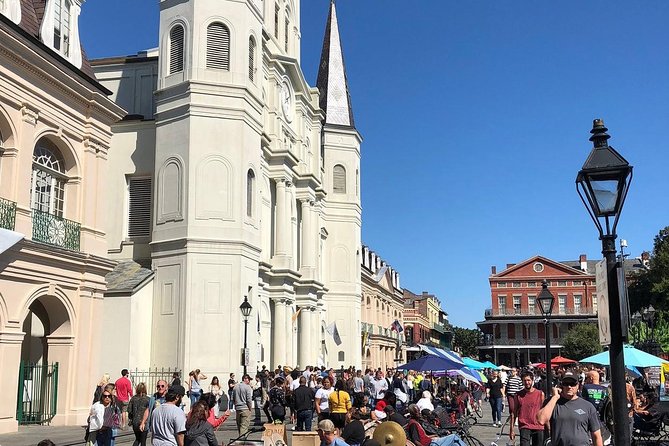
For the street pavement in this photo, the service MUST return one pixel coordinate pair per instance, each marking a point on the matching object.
(74, 435)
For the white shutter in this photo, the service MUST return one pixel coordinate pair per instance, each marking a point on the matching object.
(339, 179)
(139, 207)
(218, 46)
(176, 49)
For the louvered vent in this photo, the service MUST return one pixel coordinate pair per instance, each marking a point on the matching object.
(339, 179)
(176, 49)
(252, 59)
(218, 47)
(139, 208)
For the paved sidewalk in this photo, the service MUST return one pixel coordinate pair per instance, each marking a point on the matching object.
(74, 435)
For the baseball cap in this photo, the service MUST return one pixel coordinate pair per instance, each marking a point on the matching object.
(326, 426)
(569, 378)
(177, 390)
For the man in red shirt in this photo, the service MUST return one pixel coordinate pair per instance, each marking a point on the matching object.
(123, 394)
(527, 405)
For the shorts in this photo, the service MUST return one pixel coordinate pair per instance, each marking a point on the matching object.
(123, 405)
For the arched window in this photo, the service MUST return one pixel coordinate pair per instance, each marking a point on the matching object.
(48, 179)
(339, 179)
(286, 30)
(218, 46)
(176, 49)
(252, 59)
(250, 191)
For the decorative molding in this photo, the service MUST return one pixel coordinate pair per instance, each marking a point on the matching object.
(29, 114)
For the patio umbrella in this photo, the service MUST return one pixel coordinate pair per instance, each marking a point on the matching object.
(633, 357)
(429, 363)
(489, 365)
(484, 379)
(473, 364)
(560, 360)
(467, 374)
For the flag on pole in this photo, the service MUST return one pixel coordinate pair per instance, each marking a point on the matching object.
(332, 331)
(396, 326)
(295, 315)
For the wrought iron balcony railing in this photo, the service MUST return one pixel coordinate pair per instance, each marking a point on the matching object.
(56, 231)
(535, 311)
(7, 214)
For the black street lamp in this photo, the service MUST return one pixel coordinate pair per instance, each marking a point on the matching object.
(602, 184)
(246, 309)
(546, 300)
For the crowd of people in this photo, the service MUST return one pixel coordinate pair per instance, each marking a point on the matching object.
(343, 405)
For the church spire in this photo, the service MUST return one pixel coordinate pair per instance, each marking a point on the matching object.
(335, 99)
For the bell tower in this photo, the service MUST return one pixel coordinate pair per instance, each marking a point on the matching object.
(342, 213)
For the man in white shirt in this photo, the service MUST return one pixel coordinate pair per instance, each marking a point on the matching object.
(380, 386)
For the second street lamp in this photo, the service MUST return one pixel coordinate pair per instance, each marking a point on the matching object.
(546, 301)
(246, 309)
(602, 184)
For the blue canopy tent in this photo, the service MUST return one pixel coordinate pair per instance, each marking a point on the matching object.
(431, 363)
(442, 353)
(633, 357)
(474, 364)
(490, 365)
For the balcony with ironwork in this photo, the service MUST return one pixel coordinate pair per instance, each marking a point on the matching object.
(503, 341)
(536, 311)
(7, 214)
(439, 327)
(56, 231)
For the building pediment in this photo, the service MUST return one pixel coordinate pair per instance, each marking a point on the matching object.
(539, 267)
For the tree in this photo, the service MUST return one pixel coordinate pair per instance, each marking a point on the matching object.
(651, 286)
(466, 340)
(581, 341)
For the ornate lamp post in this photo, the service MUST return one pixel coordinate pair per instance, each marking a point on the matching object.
(546, 300)
(246, 309)
(602, 184)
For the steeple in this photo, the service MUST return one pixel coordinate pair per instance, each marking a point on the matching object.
(335, 99)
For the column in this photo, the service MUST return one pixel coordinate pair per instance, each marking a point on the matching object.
(279, 333)
(288, 336)
(314, 315)
(304, 357)
(310, 235)
(282, 224)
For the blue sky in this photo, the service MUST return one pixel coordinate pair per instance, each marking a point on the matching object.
(475, 117)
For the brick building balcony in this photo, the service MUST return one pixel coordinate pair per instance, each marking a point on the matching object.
(568, 311)
(7, 214)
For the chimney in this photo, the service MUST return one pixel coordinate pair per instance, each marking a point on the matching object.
(509, 265)
(583, 260)
(493, 270)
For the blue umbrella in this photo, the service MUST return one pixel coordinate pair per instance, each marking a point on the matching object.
(633, 357)
(467, 374)
(474, 364)
(430, 363)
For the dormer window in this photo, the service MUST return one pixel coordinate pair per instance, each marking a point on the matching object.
(61, 26)
(11, 9)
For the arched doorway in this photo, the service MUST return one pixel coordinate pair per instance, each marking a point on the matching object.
(46, 344)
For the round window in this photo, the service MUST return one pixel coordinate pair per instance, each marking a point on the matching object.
(538, 267)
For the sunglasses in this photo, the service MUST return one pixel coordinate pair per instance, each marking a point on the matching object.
(106, 395)
(159, 386)
(570, 385)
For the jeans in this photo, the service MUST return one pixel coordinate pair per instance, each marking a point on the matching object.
(257, 402)
(304, 419)
(104, 437)
(529, 437)
(231, 401)
(140, 436)
(496, 406)
(194, 397)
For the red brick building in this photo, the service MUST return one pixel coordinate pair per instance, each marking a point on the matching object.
(513, 329)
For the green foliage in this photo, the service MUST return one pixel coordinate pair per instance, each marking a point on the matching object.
(641, 331)
(581, 341)
(466, 340)
(651, 287)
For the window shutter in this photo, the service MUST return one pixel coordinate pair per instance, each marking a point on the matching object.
(252, 59)
(139, 209)
(218, 46)
(176, 49)
(250, 186)
(339, 179)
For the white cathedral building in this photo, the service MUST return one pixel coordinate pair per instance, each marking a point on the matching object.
(232, 177)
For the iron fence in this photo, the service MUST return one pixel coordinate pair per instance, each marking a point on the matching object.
(7, 214)
(37, 393)
(151, 376)
(56, 231)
